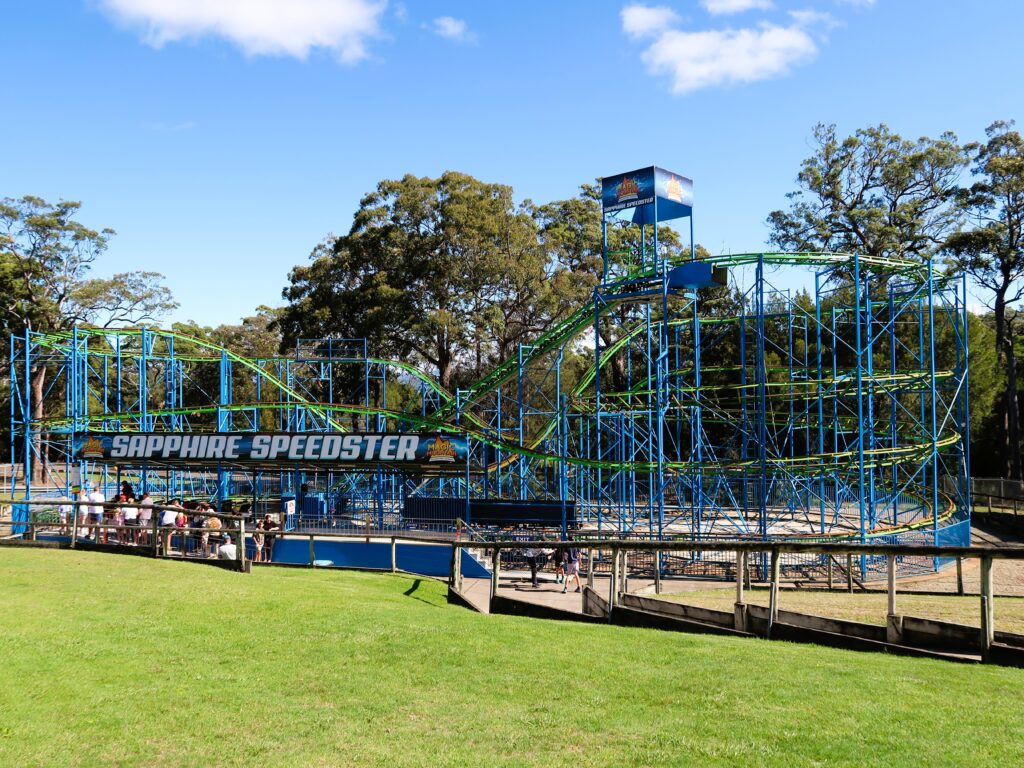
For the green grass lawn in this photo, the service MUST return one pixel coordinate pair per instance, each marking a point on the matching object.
(114, 660)
(868, 607)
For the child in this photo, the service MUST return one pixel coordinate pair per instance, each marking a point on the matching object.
(257, 542)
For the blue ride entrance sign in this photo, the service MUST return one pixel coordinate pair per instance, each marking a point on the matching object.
(405, 448)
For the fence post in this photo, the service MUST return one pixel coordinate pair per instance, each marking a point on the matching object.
(960, 576)
(241, 544)
(495, 571)
(590, 567)
(625, 571)
(458, 571)
(31, 525)
(773, 594)
(829, 572)
(657, 572)
(849, 572)
(987, 608)
(156, 532)
(740, 567)
(613, 587)
(740, 609)
(312, 551)
(394, 560)
(74, 525)
(893, 622)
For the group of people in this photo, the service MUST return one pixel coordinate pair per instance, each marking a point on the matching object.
(130, 521)
(566, 561)
(131, 516)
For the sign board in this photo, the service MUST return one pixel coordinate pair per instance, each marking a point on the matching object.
(400, 448)
(645, 188)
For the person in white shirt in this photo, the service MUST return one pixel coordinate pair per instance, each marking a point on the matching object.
(228, 550)
(145, 519)
(96, 500)
(167, 518)
(64, 510)
(130, 513)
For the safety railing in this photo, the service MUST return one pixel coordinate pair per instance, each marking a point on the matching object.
(77, 522)
(760, 561)
(252, 544)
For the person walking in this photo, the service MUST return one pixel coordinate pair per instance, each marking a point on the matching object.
(533, 559)
(572, 569)
(558, 557)
(64, 511)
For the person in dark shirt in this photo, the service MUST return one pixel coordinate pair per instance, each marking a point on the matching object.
(272, 527)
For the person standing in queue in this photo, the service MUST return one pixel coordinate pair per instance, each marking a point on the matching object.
(272, 527)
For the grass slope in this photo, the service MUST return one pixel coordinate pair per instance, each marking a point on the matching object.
(108, 660)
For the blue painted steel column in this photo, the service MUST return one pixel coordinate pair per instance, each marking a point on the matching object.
(860, 406)
(934, 395)
(821, 399)
(965, 427)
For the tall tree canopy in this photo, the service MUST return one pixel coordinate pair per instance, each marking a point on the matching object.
(45, 260)
(448, 270)
(873, 193)
(991, 250)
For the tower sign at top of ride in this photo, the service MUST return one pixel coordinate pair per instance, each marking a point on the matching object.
(653, 193)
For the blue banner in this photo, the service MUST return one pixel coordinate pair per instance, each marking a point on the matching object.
(627, 190)
(650, 191)
(401, 448)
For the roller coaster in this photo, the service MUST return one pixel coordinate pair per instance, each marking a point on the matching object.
(812, 395)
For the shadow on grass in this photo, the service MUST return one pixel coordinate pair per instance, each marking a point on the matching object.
(411, 592)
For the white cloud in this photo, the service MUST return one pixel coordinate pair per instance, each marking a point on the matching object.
(722, 7)
(453, 29)
(258, 27)
(641, 20)
(698, 60)
(704, 59)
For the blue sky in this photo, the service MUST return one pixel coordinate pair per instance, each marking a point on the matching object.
(223, 139)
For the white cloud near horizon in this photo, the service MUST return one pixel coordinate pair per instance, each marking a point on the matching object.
(257, 27)
(708, 58)
(451, 28)
(724, 7)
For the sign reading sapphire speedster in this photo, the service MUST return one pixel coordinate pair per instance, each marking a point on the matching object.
(273, 447)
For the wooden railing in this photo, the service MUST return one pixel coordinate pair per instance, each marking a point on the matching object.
(742, 550)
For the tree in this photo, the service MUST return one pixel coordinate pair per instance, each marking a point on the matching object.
(992, 252)
(45, 259)
(447, 270)
(873, 193)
